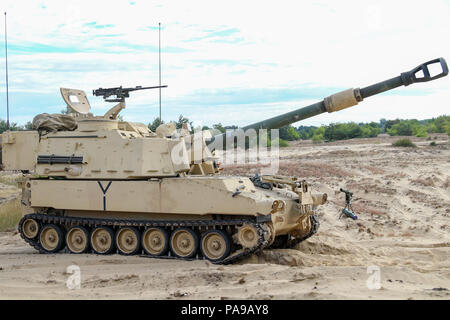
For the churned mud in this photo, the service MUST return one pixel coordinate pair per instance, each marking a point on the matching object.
(402, 199)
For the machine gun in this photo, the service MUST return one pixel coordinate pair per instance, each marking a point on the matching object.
(119, 92)
(348, 210)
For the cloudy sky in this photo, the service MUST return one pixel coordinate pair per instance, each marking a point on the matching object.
(234, 62)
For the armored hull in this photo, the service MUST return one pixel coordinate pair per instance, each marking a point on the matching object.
(151, 212)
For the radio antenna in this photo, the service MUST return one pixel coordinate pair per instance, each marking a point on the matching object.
(160, 119)
(6, 56)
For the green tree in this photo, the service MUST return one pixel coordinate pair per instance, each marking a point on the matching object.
(182, 120)
(305, 132)
(4, 126)
(317, 134)
(370, 130)
(233, 127)
(317, 138)
(447, 128)
(401, 128)
(342, 131)
(289, 133)
(437, 125)
(219, 126)
(390, 123)
(408, 128)
(441, 123)
(420, 131)
(155, 124)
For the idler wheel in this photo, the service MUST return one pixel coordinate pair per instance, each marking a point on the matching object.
(128, 240)
(248, 236)
(102, 240)
(30, 228)
(77, 239)
(155, 241)
(184, 243)
(51, 238)
(215, 245)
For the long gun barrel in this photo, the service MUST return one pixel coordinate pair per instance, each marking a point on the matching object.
(351, 97)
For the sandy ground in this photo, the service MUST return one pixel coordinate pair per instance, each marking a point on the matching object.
(402, 197)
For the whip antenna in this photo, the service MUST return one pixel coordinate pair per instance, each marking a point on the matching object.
(160, 119)
(6, 56)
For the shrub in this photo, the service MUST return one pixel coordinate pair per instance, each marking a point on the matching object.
(10, 214)
(433, 144)
(404, 143)
(317, 138)
(283, 143)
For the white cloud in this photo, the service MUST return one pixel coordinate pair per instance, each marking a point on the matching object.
(283, 44)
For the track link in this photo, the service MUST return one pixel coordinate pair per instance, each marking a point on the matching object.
(67, 222)
(288, 242)
(235, 255)
(315, 224)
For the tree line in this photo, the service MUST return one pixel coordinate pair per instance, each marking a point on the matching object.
(331, 132)
(343, 131)
(350, 130)
(14, 126)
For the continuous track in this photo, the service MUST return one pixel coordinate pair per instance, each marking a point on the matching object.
(236, 254)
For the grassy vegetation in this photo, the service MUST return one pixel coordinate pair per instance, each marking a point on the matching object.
(404, 143)
(283, 143)
(10, 214)
(11, 180)
(317, 139)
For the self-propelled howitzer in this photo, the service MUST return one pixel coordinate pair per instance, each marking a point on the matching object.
(96, 184)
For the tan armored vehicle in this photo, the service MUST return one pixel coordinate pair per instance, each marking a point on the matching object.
(97, 184)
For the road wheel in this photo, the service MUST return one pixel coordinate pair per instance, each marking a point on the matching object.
(30, 228)
(184, 243)
(128, 240)
(51, 238)
(248, 236)
(155, 241)
(102, 240)
(77, 239)
(215, 245)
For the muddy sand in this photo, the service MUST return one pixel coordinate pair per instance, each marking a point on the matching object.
(401, 196)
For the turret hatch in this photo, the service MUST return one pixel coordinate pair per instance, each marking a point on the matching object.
(76, 100)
